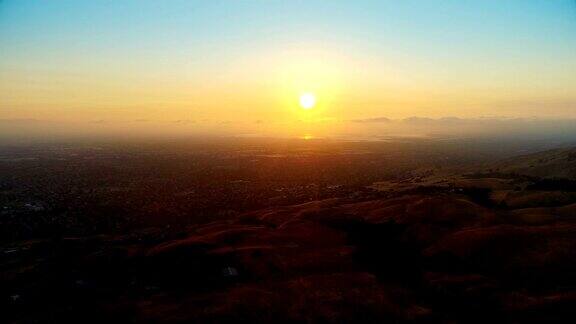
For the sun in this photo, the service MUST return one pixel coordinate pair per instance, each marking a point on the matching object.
(307, 100)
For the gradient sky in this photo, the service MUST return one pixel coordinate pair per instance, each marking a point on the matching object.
(231, 62)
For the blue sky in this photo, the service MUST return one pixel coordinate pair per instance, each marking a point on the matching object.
(502, 26)
(471, 58)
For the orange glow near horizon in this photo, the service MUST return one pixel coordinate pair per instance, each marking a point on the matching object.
(282, 76)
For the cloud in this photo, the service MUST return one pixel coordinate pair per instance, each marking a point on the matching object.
(373, 120)
(184, 121)
(418, 120)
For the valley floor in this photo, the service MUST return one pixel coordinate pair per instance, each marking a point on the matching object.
(470, 249)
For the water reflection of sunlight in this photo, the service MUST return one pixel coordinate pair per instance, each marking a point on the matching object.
(307, 137)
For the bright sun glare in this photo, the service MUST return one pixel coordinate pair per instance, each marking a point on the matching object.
(307, 100)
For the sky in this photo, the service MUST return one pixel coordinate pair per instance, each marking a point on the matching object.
(218, 66)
